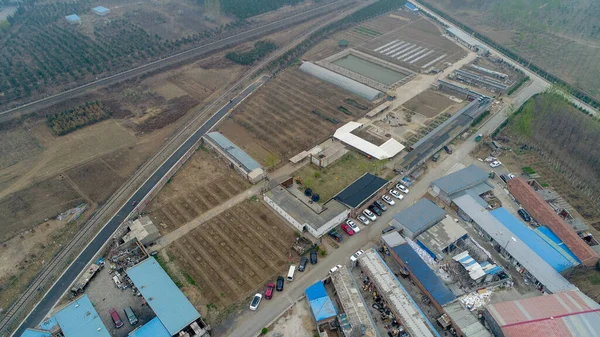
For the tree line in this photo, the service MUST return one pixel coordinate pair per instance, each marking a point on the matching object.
(261, 48)
(243, 9)
(75, 118)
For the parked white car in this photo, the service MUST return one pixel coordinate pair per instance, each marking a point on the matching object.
(402, 188)
(334, 269)
(388, 200)
(396, 194)
(355, 256)
(369, 215)
(255, 301)
(353, 226)
(363, 219)
(495, 164)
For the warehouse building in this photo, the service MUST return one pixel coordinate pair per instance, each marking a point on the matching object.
(341, 81)
(525, 259)
(173, 310)
(467, 40)
(76, 319)
(471, 180)
(545, 215)
(100, 10)
(418, 218)
(240, 160)
(359, 322)
(142, 229)
(384, 151)
(399, 301)
(567, 314)
(321, 305)
(361, 190)
(441, 239)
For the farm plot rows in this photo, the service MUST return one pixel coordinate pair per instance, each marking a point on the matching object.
(280, 116)
(234, 254)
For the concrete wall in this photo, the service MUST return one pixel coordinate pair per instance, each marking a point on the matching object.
(285, 215)
(330, 224)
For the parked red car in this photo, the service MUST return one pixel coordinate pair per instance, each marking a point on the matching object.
(269, 291)
(347, 229)
(116, 318)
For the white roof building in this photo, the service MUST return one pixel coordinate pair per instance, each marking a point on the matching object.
(386, 150)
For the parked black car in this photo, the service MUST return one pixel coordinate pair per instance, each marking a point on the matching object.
(313, 257)
(381, 205)
(373, 208)
(504, 178)
(448, 149)
(303, 262)
(335, 235)
(524, 214)
(280, 282)
(435, 157)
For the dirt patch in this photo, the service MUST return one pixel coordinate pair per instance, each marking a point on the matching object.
(297, 321)
(369, 137)
(230, 257)
(173, 111)
(16, 144)
(97, 190)
(428, 103)
(204, 182)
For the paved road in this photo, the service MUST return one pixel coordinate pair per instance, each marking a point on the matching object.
(54, 294)
(175, 59)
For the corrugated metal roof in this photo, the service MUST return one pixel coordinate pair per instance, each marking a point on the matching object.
(387, 150)
(552, 256)
(393, 239)
(548, 235)
(420, 216)
(544, 214)
(461, 180)
(465, 320)
(542, 271)
(154, 328)
(565, 314)
(166, 300)
(234, 151)
(465, 37)
(442, 235)
(35, 333)
(101, 9)
(415, 264)
(360, 190)
(320, 304)
(343, 82)
(80, 318)
(73, 18)
(412, 318)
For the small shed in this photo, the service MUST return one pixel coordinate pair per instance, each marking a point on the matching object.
(321, 305)
(73, 19)
(100, 10)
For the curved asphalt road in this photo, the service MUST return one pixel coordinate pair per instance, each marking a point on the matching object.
(65, 280)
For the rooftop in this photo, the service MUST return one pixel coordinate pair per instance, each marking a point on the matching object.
(442, 235)
(553, 257)
(301, 212)
(399, 300)
(465, 37)
(544, 214)
(542, 271)
(101, 10)
(79, 318)
(386, 150)
(166, 300)
(353, 303)
(239, 156)
(420, 216)
(393, 239)
(35, 333)
(360, 190)
(421, 271)
(566, 314)
(461, 180)
(320, 303)
(154, 328)
(73, 18)
(465, 320)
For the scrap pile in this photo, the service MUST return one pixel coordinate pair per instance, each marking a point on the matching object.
(476, 300)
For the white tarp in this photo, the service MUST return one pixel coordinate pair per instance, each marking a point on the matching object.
(387, 150)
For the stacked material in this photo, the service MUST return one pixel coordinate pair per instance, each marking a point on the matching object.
(476, 300)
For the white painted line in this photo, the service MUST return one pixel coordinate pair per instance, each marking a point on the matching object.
(415, 55)
(407, 47)
(434, 61)
(385, 45)
(422, 56)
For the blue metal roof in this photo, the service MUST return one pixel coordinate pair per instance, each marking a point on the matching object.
(415, 264)
(548, 235)
(461, 180)
(411, 6)
(72, 18)
(100, 9)
(320, 304)
(80, 318)
(49, 323)
(360, 190)
(35, 333)
(548, 253)
(166, 300)
(420, 216)
(154, 328)
(234, 151)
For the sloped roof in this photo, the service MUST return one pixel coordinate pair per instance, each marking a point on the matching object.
(465, 320)
(461, 180)
(320, 304)
(343, 82)
(386, 150)
(442, 235)
(166, 300)
(420, 216)
(360, 190)
(544, 214)
(237, 154)
(80, 318)
(154, 328)
(35, 333)
(565, 314)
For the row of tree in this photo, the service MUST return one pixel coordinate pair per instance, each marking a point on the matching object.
(72, 119)
(261, 48)
(243, 9)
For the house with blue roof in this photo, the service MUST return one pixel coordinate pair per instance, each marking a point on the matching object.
(320, 304)
(76, 319)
